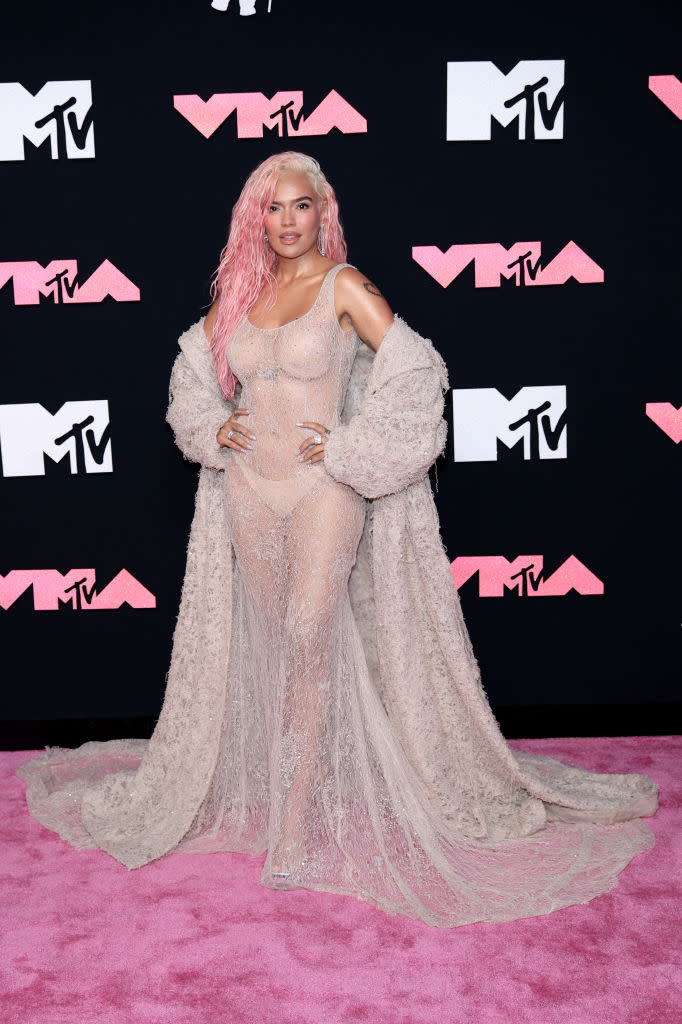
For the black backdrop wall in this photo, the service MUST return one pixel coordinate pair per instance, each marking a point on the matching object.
(559, 504)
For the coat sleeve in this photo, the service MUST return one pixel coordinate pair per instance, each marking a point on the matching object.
(196, 407)
(399, 430)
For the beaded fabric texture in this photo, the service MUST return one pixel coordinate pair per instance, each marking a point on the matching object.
(323, 701)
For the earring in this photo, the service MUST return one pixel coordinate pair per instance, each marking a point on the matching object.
(322, 240)
(265, 236)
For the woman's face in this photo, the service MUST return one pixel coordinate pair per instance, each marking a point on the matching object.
(292, 221)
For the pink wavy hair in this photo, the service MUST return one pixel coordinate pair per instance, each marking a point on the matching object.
(247, 262)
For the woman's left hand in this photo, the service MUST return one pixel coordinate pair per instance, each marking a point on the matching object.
(311, 450)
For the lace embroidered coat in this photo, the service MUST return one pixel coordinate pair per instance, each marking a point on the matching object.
(148, 801)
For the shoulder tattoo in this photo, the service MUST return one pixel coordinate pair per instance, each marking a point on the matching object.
(371, 288)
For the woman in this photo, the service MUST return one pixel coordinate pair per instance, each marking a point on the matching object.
(323, 701)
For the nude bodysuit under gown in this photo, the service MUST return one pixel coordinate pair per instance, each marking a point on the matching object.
(295, 532)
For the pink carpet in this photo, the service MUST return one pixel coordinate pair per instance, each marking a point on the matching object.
(194, 939)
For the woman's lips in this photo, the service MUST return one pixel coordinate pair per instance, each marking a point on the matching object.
(289, 239)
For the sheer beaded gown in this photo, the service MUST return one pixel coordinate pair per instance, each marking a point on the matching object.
(295, 532)
(416, 808)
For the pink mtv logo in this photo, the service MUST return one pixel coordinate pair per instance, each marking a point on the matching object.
(667, 417)
(284, 112)
(77, 587)
(59, 279)
(522, 262)
(525, 574)
(668, 88)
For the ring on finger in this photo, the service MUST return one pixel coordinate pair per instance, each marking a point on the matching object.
(229, 434)
(317, 438)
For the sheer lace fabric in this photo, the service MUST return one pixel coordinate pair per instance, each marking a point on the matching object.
(323, 701)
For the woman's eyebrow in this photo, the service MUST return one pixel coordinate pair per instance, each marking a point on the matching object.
(278, 202)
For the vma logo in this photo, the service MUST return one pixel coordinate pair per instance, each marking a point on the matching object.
(60, 115)
(533, 422)
(59, 281)
(668, 88)
(79, 432)
(76, 590)
(521, 263)
(525, 576)
(282, 114)
(667, 417)
(531, 96)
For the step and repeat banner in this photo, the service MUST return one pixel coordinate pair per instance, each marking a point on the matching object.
(510, 182)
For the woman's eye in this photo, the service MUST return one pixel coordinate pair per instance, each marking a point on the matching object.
(304, 206)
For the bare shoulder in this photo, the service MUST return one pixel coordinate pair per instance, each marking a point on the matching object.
(352, 282)
(210, 320)
(359, 300)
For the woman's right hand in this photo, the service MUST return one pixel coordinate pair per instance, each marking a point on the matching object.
(240, 434)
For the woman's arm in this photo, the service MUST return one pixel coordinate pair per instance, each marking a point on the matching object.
(210, 320)
(398, 431)
(197, 410)
(239, 434)
(360, 304)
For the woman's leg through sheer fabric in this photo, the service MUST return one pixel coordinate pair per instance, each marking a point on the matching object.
(295, 569)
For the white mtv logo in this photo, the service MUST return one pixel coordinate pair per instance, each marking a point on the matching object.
(79, 431)
(246, 7)
(535, 415)
(533, 92)
(60, 111)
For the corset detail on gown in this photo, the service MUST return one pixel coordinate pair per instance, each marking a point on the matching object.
(283, 727)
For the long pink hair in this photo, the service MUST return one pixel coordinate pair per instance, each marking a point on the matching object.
(247, 261)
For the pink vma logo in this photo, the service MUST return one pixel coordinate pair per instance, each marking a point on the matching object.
(283, 114)
(668, 88)
(525, 574)
(522, 263)
(77, 588)
(667, 417)
(59, 279)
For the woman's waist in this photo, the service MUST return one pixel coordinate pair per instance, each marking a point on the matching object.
(278, 426)
(274, 462)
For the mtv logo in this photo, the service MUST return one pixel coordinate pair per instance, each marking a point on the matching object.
(535, 418)
(59, 279)
(532, 93)
(76, 589)
(283, 113)
(525, 576)
(80, 431)
(60, 112)
(522, 263)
